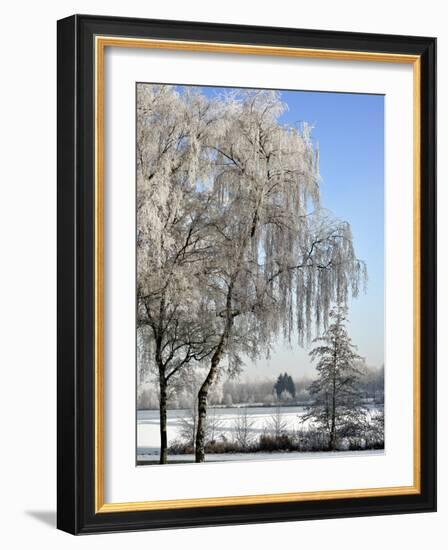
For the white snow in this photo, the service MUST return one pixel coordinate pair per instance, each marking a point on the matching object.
(148, 438)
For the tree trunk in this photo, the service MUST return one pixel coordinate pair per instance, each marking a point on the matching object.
(333, 415)
(202, 403)
(163, 419)
(219, 352)
(332, 434)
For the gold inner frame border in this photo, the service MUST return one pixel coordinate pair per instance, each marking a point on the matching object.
(101, 42)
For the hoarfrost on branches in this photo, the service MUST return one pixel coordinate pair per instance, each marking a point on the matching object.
(233, 246)
(337, 405)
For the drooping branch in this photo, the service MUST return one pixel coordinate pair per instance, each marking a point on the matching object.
(233, 249)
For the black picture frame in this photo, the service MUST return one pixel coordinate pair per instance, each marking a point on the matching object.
(76, 256)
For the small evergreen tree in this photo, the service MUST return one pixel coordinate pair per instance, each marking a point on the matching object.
(283, 384)
(279, 386)
(336, 398)
(290, 387)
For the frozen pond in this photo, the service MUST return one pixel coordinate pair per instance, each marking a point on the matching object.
(224, 420)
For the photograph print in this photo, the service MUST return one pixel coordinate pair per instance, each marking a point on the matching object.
(260, 274)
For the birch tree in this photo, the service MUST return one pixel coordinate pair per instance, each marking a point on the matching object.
(233, 247)
(280, 261)
(337, 408)
(170, 245)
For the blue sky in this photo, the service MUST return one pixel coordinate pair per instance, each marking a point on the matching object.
(349, 130)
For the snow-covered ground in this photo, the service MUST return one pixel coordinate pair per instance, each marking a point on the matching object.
(225, 419)
(233, 457)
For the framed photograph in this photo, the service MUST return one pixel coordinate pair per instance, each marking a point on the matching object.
(246, 274)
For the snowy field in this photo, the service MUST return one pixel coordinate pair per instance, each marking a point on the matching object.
(225, 420)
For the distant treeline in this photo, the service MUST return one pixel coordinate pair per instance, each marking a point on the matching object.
(236, 392)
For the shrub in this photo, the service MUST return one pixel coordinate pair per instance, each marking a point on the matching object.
(270, 443)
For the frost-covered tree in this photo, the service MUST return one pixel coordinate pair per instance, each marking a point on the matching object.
(279, 260)
(336, 393)
(277, 425)
(233, 247)
(285, 383)
(170, 243)
(242, 429)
